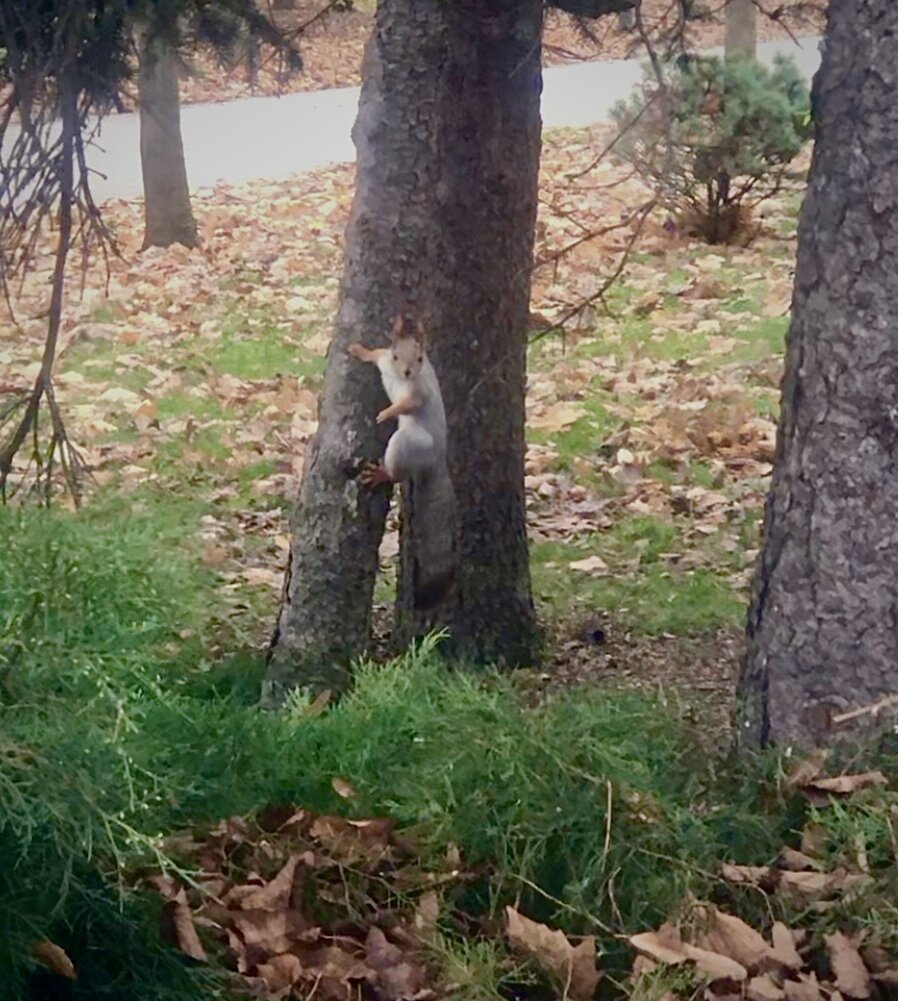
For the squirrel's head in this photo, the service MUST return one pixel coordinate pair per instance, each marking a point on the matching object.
(407, 346)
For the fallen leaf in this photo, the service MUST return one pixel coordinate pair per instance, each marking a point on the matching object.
(852, 977)
(55, 958)
(178, 927)
(796, 861)
(715, 965)
(844, 785)
(394, 975)
(807, 769)
(783, 949)
(805, 988)
(115, 394)
(592, 564)
(573, 967)
(664, 945)
(280, 972)
(343, 789)
(818, 885)
(763, 988)
(275, 895)
(558, 416)
(731, 936)
(746, 875)
(427, 914)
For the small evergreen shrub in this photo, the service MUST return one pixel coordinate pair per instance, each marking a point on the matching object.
(717, 140)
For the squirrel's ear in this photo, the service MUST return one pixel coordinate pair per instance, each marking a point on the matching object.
(397, 328)
(418, 331)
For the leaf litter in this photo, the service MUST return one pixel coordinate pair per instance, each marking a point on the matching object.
(784, 963)
(197, 373)
(294, 903)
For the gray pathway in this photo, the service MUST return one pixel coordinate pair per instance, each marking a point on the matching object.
(273, 137)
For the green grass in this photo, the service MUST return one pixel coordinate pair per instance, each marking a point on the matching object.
(118, 725)
(642, 588)
(762, 339)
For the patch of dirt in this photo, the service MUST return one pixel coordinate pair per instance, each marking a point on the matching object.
(701, 670)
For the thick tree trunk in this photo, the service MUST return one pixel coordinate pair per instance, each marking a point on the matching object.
(823, 628)
(741, 28)
(167, 212)
(488, 145)
(416, 234)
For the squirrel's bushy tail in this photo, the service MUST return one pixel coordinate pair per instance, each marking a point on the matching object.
(435, 538)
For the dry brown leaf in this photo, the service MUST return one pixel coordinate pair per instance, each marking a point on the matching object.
(343, 789)
(268, 932)
(281, 971)
(592, 564)
(715, 965)
(558, 416)
(746, 875)
(573, 967)
(813, 839)
(731, 936)
(820, 885)
(763, 988)
(393, 973)
(783, 949)
(664, 945)
(55, 958)
(427, 914)
(805, 988)
(334, 963)
(177, 916)
(642, 965)
(808, 769)
(796, 861)
(852, 977)
(274, 896)
(844, 785)
(319, 704)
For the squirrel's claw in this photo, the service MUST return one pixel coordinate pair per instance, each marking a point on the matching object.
(356, 350)
(372, 475)
(384, 415)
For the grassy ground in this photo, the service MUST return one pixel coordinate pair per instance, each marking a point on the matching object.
(598, 812)
(129, 632)
(191, 386)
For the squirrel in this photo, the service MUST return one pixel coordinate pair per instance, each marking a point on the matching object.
(416, 455)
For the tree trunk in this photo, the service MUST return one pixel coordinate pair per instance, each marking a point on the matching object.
(422, 230)
(167, 212)
(488, 146)
(741, 28)
(823, 627)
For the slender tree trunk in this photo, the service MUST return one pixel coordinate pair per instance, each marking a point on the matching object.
(823, 627)
(416, 234)
(167, 212)
(488, 145)
(741, 28)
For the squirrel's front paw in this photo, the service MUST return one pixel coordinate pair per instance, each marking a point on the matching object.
(356, 350)
(384, 415)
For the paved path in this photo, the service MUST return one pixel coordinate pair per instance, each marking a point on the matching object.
(274, 137)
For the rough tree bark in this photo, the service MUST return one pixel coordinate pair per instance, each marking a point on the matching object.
(168, 216)
(823, 627)
(741, 28)
(325, 615)
(487, 142)
(448, 144)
